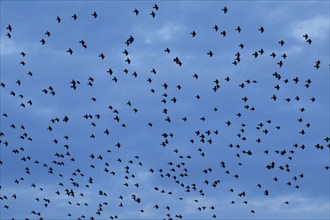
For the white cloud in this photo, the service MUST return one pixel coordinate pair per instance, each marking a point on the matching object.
(294, 49)
(164, 33)
(46, 111)
(317, 27)
(8, 47)
(301, 206)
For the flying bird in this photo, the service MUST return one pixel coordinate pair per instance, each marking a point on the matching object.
(136, 11)
(225, 10)
(94, 14)
(58, 19)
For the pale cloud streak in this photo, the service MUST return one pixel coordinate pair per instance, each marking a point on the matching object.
(303, 206)
(316, 27)
(163, 34)
(8, 47)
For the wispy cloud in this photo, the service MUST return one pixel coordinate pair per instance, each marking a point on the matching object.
(165, 33)
(300, 206)
(316, 27)
(8, 47)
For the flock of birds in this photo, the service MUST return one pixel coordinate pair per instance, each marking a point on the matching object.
(71, 181)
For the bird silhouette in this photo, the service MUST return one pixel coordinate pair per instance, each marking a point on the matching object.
(136, 11)
(153, 14)
(58, 19)
(70, 51)
(9, 28)
(94, 14)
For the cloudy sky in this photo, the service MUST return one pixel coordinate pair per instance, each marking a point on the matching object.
(199, 143)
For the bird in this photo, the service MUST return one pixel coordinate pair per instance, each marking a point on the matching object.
(125, 52)
(225, 10)
(9, 28)
(210, 53)
(70, 51)
(94, 14)
(102, 56)
(153, 14)
(156, 7)
(136, 11)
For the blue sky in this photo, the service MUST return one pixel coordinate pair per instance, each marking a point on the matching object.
(51, 65)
